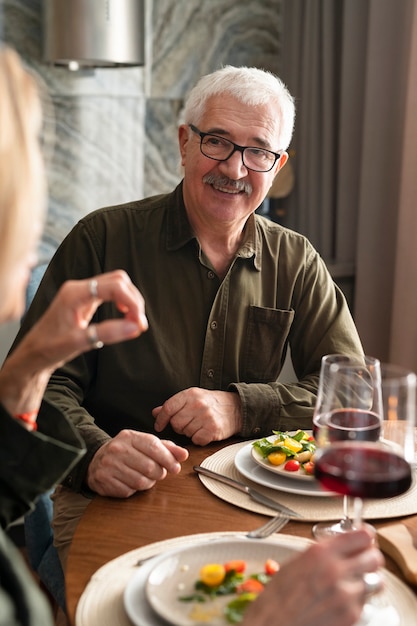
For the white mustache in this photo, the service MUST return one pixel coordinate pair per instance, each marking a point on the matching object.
(224, 181)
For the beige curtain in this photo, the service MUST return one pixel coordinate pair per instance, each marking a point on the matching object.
(386, 301)
(310, 66)
(352, 65)
(403, 336)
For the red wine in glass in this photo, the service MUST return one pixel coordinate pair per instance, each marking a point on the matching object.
(363, 470)
(353, 425)
(347, 424)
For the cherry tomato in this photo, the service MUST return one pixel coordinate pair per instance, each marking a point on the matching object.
(212, 574)
(309, 467)
(251, 585)
(237, 566)
(271, 567)
(292, 465)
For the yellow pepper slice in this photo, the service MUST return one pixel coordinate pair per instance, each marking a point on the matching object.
(277, 458)
(292, 444)
(212, 574)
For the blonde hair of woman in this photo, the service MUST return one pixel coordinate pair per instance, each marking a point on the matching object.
(22, 180)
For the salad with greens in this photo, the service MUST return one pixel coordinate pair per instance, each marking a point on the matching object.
(294, 451)
(222, 579)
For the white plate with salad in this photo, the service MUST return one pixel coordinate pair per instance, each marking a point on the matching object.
(245, 464)
(209, 582)
(290, 454)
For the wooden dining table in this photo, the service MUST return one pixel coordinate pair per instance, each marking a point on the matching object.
(176, 506)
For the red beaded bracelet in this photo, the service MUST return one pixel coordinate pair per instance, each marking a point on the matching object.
(29, 418)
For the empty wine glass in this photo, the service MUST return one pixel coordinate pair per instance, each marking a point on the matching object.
(348, 407)
(399, 389)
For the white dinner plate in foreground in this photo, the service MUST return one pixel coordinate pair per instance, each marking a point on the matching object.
(176, 574)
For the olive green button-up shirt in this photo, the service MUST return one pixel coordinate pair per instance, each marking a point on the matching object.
(229, 334)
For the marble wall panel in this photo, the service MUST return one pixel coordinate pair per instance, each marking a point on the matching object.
(162, 156)
(192, 38)
(97, 160)
(20, 27)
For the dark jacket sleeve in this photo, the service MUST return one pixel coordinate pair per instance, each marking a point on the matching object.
(31, 462)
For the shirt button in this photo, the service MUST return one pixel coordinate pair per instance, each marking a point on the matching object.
(210, 373)
(256, 430)
(210, 274)
(213, 325)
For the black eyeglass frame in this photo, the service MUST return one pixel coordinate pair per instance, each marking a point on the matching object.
(236, 148)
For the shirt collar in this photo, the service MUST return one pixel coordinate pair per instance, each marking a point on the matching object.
(179, 231)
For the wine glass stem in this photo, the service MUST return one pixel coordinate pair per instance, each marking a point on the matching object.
(352, 512)
(346, 522)
(357, 512)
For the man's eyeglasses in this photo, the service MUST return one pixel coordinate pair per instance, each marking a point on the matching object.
(221, 149)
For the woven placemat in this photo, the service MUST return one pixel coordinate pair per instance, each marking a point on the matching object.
(312, 508)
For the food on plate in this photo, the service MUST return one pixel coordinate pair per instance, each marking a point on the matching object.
(293, 452)
(212, 574)
(292, 465)
(221, 579)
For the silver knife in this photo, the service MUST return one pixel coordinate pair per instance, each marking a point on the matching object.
(255, 495)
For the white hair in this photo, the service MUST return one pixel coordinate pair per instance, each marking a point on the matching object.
(249, 85)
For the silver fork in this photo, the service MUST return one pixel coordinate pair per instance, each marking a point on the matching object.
(272, 526)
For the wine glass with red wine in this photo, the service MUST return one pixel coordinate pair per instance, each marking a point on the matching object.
(379, 467)
(348, 407)
(367, 466)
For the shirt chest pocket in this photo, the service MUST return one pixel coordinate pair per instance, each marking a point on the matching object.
(266, 338)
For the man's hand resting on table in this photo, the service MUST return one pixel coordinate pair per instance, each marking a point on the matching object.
(200, 414)
(133, 461)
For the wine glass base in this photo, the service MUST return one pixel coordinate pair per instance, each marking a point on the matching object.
(323, 530)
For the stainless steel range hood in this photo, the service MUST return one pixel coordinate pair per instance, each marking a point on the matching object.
(93, 33)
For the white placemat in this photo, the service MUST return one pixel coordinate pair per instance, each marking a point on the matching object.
(102, 604)
(313, 509)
